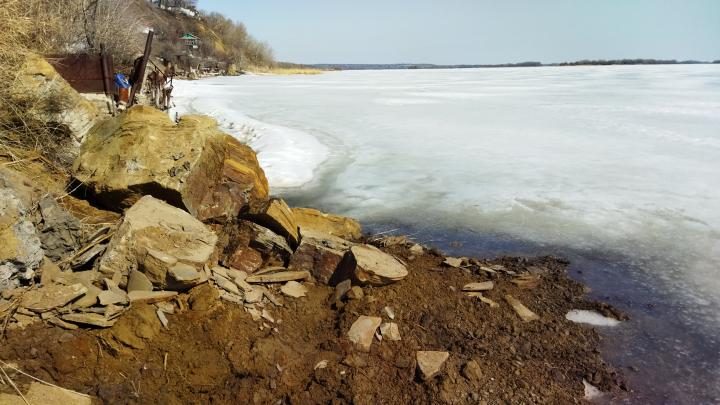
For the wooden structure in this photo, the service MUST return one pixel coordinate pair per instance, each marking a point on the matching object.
(87, 73)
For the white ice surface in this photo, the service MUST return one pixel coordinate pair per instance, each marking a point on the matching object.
(619, 159)
(289, 156)
(590, 318)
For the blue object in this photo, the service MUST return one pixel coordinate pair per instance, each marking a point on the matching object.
(121, 81)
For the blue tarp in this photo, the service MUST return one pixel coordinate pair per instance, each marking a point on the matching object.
(121, 81)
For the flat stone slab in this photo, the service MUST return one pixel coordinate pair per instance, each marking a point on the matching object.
(523, 312)
(44, 394)
(51, 296)
(309, 219)
(151, 296)
(430, 363)
(89, 319)
(278, 277)
(453, 261)
(482, 286)
(372, 266)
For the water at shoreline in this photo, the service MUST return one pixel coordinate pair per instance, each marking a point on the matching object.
(613, 167)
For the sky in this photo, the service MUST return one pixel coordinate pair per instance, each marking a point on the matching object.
(478, 31)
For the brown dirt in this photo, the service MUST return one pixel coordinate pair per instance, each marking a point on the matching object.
(216, 354)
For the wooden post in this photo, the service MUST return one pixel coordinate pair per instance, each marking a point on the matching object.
(137, 87)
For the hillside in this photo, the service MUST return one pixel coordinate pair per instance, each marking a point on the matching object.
(221, 42)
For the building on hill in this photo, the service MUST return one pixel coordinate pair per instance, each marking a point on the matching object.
(190, 42)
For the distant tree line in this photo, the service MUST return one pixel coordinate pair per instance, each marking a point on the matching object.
(629, 62)
(345, 66)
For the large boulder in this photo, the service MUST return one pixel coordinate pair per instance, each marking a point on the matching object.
(47, 98)
(166, 244)
(309, 219)
(191, 165)
(20, 248)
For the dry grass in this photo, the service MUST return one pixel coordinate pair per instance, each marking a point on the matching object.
(30, 26)
(283, 70)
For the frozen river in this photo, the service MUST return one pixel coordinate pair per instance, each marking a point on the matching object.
(616, 167)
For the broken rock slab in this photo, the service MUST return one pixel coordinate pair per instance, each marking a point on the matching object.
(294, 289)
(137, 281)
(390, 331)
(20, 250)
(430, 363)
(277, 216)
(312, 220)
(52, 296)
(278, 277)
(89, 318)
(362, 331)
(320, 254)
(245, 259)
(165, 243)
(61, 233)
(150, 297)
(523, 312)
(481, 286)
(191, 165)
(268, 242)
(369, 265)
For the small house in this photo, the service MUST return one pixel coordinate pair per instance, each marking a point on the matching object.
(190, 41)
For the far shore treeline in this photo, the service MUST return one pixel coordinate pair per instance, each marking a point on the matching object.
(584, 62)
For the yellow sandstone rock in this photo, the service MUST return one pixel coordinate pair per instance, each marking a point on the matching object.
(46, 97)
(309, 219)
(191, 165)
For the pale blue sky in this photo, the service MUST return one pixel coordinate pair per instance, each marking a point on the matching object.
(479, 31)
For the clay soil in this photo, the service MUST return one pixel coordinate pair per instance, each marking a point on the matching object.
(214, 353)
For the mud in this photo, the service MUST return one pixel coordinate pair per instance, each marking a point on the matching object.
(214, 353)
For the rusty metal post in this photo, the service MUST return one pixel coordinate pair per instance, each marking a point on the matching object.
(137, 87)
(107, 80)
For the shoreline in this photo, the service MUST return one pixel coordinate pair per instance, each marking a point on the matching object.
(158, 279)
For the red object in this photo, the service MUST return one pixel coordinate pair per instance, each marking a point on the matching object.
(124, 95)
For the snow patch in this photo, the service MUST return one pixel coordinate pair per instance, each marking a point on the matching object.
(590, 318)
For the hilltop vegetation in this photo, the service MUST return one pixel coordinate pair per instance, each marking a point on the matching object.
(64, 26)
